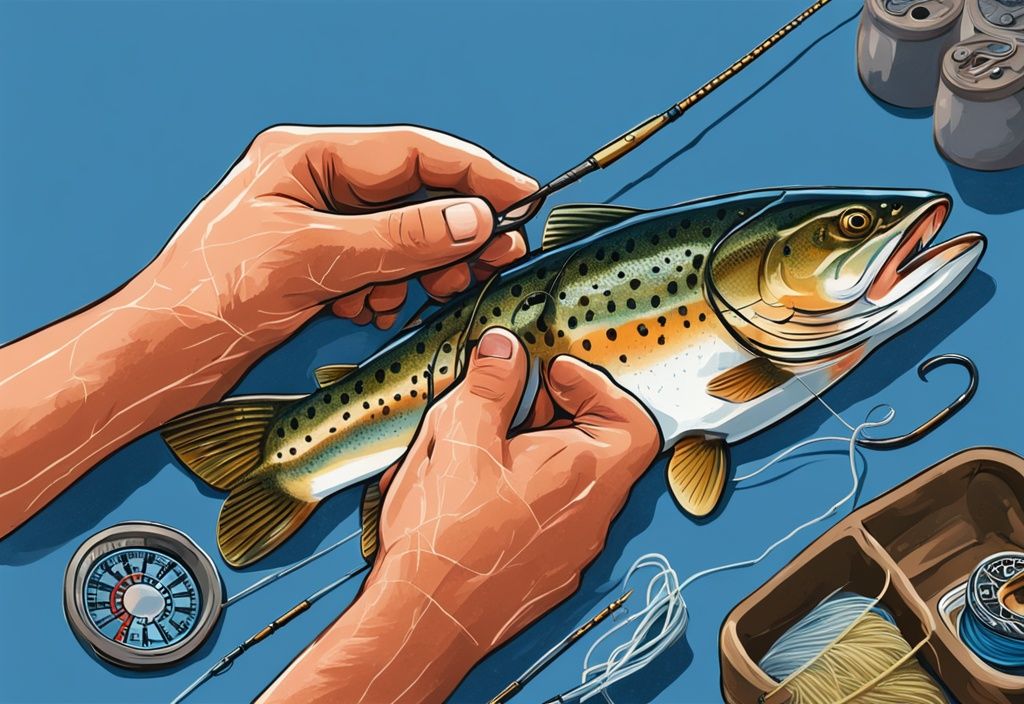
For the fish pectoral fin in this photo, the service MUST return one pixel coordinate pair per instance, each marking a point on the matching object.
(331, 373)
(222, 443)
(696, 473)
(568, 223)
(369, 516)
(748, 380)
(256, 518)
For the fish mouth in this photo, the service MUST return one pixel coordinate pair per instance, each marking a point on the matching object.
(913, 259)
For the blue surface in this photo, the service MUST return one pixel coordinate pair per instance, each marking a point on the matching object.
(117, 117)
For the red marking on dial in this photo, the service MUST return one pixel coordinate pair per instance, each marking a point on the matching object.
(128, 618)
(134, 578)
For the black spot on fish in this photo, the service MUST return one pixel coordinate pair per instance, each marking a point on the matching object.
(634, 284)
(366, 405)
(311, 411)
(280, 432)
(679, 269)
(630, 244)
(584, 301)
(549, 338)
(786, 250)
(691, 280)
(398, 397)
(483, 318)
(414, 393)
(415, 379)
(682, 310)
(655, 301)
(656, 239)
(616, 256)
(593, 286)
(607, 292)
(672, 287)
(496, 312)
(586, 345)
(561, 295)
(621, 274)
(295, 423)
(395, 367)
(309, 438)
(530, 337)
(279, 455)
(327, 399)
(720, 214)
(292, 450)
(379, 376)
(631, 304)
(420, 348)
(332, 429)
(687, 252)
(611, 334)
(572, 322)
(589, 316)
(655, 269)
(667, 260)
(672, 233)
(541, 325)
(386, 410)
(599, 254)
(698, 261)
(380, 401)
(358, 387)
(516, 290)
(438, 326)
(684, 224)
(661, 339)
(446, 348)
(622, 358)
(702, 317)
(686, 323)
(344, 398)
(561, 333)
(443, 370)
(583, 268)
(706, 232)
(662, 320)
(346, 415)
(642, 329)
(611, 306)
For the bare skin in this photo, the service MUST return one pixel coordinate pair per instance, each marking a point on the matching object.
(294, 227)
(481, 533)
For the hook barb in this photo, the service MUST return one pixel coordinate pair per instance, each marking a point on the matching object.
(939, 418)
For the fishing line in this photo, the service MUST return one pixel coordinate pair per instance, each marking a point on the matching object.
(664, 617)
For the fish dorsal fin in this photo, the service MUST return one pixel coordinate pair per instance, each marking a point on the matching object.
(748, 380)
(696, 473)
(568, 223)
(331, 373)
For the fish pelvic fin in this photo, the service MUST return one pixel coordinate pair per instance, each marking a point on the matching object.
(369, 516)
(696, 473)
(748, 381)
(221, 444)
(256, 518)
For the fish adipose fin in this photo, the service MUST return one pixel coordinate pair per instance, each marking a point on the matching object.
(696, 473)
(256, 518)
(369, 515)
(222, 443)
(748, 381)
(568, 223)
(327, 375)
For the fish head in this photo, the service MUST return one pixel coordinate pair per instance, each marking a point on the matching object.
(823, 271)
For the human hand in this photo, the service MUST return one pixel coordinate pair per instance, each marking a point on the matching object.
(303, 221)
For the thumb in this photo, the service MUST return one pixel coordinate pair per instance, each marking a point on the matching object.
(400, 243)
(484, 404)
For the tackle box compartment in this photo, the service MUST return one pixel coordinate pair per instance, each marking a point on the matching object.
(929, 533)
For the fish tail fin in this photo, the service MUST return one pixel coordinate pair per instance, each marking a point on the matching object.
(221, 444)
(256, 518)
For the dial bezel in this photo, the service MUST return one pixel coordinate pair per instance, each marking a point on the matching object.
(148, 536)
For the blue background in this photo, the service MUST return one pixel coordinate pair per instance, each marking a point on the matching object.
(115, 118)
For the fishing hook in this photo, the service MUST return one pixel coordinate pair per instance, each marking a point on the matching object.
(935, 421)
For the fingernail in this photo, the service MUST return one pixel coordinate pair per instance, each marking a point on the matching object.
(495, 344)
(462, 221)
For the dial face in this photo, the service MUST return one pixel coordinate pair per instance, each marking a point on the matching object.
(1003, 13)
(142, 599)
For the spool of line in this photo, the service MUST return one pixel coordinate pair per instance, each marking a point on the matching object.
(848, 648)
(988, 627)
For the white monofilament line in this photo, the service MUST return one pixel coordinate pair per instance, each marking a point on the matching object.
(664, 618)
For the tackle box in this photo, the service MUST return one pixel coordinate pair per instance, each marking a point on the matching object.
(929, 534)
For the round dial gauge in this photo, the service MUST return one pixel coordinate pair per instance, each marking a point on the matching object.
(142, 595)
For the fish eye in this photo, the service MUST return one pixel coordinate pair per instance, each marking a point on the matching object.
(855, 222)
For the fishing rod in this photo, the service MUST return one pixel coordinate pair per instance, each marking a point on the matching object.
(512, 219)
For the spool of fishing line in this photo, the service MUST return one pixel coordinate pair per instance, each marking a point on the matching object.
(992, 621)
(848, 648)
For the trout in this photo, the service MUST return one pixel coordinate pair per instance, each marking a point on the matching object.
(722, 316)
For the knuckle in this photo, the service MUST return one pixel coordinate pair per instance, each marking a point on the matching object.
(488, 383)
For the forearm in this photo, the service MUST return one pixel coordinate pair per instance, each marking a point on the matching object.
(394, 644)
(78, 390)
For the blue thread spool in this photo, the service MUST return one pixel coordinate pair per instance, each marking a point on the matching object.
(988, 626)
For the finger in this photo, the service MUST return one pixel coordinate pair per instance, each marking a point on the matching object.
(385, 320)
(445, 283)
(394, 245)
(351, 305)
(363, 317)
(503, 249)
(387, 298)
(481, 408)
(387, 478)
